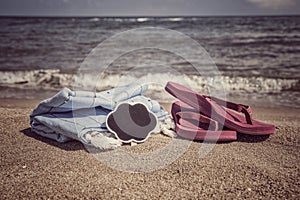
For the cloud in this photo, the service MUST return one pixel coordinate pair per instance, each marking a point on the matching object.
(273, 4)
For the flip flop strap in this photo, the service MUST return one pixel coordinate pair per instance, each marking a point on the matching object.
(237, 107)
(201, 119)
(183, 94)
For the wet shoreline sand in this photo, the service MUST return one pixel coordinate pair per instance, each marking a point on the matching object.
(252, 167)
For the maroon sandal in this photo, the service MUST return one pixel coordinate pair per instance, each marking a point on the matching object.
(224, 112)
(192, 125)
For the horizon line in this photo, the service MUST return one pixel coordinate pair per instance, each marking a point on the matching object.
(148, 16)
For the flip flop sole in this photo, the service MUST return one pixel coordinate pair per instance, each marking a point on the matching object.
(183, 116)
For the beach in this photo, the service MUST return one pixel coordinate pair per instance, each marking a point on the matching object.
(252, 60)
(254, 167)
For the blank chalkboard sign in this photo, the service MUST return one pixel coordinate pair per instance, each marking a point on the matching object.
(131, 122)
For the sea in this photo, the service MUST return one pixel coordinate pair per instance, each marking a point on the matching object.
(257, 58)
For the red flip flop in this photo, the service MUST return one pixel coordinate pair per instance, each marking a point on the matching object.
(192, 125)
(222, 111)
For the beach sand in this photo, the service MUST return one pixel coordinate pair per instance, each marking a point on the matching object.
(253, 167)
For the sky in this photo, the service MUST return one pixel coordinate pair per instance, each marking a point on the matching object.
(148, 7)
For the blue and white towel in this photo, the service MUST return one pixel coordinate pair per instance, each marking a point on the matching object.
(72, 114)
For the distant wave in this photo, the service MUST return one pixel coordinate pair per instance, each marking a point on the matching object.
(140, 19)
(95, 19)
(173, 19)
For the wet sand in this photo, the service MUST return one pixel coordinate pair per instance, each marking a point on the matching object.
(253, 167)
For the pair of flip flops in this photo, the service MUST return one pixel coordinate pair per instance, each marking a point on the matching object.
(201, 117)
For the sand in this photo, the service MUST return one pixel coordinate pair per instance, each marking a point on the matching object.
(253, 167)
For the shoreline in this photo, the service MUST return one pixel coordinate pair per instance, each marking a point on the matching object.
(24, 103)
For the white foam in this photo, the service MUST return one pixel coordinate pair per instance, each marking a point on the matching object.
(174, 19)
(94, 19)
(55, 79)
(140, 19)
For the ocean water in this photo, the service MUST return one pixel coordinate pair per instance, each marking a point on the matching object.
(258, 58)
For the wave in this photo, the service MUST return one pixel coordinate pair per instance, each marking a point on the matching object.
(33, 78)
(255, 42)
(40, 84)
(54, 78)
(141, 19)
(173, 19)
(95, 19)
